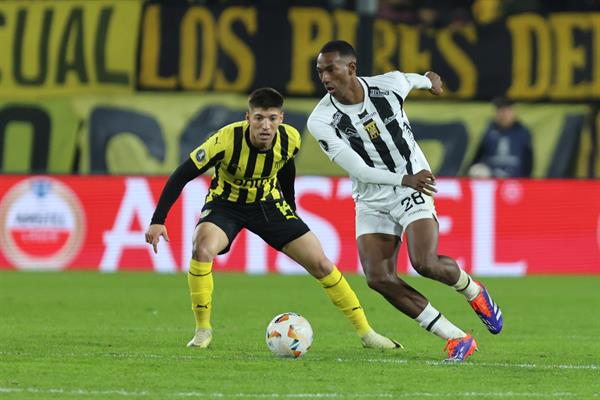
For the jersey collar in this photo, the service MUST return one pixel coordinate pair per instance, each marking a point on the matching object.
(340, 106)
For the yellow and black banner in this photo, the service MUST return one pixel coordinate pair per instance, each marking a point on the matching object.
(236, 48)
(59, 47)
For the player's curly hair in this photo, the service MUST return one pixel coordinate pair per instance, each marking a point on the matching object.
(265, 97)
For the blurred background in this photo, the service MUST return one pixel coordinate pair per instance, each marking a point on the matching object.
(100, 100)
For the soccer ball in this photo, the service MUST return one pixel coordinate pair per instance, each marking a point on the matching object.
(289, 335)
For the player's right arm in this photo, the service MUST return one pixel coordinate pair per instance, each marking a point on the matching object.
(340, 153)
(201, 159)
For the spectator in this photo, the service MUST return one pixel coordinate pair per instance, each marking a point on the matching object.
(505, 150)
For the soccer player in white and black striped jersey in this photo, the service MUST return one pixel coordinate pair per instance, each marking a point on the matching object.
(362, 126)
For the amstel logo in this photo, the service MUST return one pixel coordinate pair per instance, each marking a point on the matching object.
(42, 224)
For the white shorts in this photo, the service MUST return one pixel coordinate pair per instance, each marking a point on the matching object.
(406, 206)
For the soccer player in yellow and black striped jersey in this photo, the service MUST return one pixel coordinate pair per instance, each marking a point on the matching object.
(253, 188)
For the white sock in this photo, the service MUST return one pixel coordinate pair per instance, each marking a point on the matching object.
(466, 286)
(433, 321)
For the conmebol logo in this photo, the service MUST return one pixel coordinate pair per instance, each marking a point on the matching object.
(42, 224)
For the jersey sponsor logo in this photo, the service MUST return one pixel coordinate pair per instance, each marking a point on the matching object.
(42, 224)
(374, 92)
(251, 183)
(365, 118)
(200, 156)
(324, 145)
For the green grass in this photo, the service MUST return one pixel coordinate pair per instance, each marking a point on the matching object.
(115, 336)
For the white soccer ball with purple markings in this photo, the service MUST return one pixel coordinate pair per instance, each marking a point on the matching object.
(289, 335)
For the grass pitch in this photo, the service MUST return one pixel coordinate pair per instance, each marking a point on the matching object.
(81, 335)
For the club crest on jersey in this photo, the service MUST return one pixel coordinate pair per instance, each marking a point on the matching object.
(370, 125)
(372, 129)
(376, 92)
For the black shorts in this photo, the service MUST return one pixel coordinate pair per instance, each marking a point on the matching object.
(274, 221)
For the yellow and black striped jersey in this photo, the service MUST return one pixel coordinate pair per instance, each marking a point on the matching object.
(244, 174)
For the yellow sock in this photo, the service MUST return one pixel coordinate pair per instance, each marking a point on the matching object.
(200, 282)
(344, 298)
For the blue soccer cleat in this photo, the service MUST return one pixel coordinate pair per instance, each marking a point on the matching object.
(488, 311)
(461, 348)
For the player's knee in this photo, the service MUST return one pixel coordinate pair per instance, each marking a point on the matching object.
(202, 253)
(424, 264)
(380, 282)
(323, 267)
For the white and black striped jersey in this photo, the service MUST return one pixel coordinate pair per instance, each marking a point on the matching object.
(377, 129)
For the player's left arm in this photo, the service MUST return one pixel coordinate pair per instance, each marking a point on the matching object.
(405, 82)
(436, 83)
(286, 177)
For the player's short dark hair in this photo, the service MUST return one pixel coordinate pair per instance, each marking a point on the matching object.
(342, 47)
(265, 97)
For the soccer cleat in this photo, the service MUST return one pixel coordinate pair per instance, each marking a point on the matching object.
(373, 340)
(488, 311)
(459, 349)
(201, 339)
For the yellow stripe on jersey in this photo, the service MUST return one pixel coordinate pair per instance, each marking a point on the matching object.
(244, 174)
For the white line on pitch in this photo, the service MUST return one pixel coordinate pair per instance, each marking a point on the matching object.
(206, 356)
(126, 393)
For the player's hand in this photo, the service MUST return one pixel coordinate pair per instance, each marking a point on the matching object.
(423, 181)
(153, 234)
(436, 83)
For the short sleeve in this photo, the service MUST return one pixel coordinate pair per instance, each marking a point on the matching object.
(210, 151)
(295, 138)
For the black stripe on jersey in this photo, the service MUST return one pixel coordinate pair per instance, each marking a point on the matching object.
(358, 146)
(284, 143)
(215, 181)
(384, 109)
(401, 101)
(260, 191)
(266, 171)
(268, 165)
(242, 195)
(250, 164)
(226, 190)
(213, 162)
(237, 150)
(344, 127)
(380, 145)
(270, 191)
